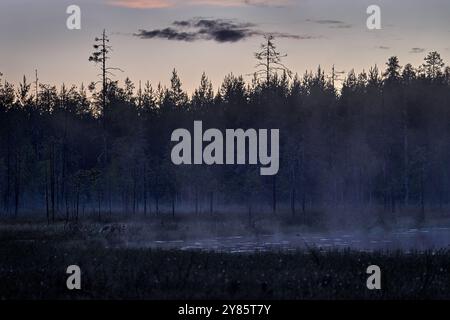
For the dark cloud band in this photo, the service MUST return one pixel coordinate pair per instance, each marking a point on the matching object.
(218, 30)
(417, 50)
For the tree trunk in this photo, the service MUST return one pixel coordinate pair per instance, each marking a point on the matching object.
(134, 192)
(7, 195)
(293, 201)
(145, 190)
(99, 202)
(17, 184)
(422, 196)
(47, 208)
(405, 158)
(52, 181)
(196, 200)
(173, 204)
(250, 214)
(274, 195)
(157, 204)
(77, 201)
(293, 191)
(211, 202)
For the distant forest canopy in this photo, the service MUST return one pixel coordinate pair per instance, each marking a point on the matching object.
(381, 141)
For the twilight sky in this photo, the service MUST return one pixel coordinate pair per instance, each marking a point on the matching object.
(215, 36)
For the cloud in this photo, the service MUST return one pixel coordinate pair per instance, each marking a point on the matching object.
(157, 4)
(142, 4)
(341, 26)
(417, 50)
(239, 3)
(327, 21)
(219, 30)
(335, 24)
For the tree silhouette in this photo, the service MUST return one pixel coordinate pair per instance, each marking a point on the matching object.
(433, 65)
(269, 60)
(100, 57)
(392, 73)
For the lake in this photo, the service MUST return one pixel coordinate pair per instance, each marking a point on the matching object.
(403, 239)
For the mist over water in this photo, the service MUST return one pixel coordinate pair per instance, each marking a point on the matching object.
(402, 239)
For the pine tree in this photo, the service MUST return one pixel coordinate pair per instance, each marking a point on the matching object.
(433, 65)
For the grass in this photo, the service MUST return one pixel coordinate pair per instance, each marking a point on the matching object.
(34, 258)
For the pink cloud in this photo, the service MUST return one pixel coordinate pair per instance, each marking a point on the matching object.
(156, 4)
(142, 4)
(238, 3)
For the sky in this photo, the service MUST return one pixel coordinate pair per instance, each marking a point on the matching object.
(152, 37)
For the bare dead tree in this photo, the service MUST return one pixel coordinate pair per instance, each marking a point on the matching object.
(36, 87)
(336, 76)
(269, 60)
(100, 57)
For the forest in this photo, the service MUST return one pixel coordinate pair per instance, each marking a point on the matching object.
(377, 141)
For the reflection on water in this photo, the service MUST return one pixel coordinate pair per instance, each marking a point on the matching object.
(406, 240)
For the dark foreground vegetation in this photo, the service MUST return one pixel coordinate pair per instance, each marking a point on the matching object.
(33, 266)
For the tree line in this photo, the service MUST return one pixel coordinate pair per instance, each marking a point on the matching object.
(379, 141)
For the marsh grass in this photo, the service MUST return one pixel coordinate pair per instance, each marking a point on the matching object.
(34, 258)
